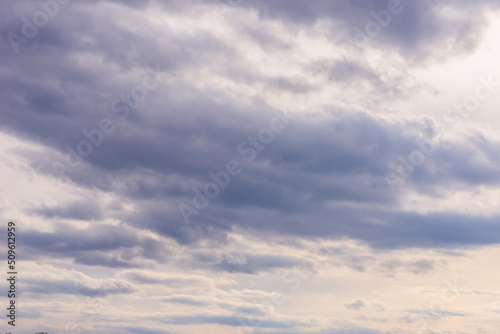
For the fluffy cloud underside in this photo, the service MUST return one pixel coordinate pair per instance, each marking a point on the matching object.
(188, 121)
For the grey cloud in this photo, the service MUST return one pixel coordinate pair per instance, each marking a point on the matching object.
(74, 288)
(355, 331)
(84, 210)
(356, 305)
(66, 238)
(98, 244)
(91, 258)
(438, 314)
(185, 301)
(318, 177)
(226, 320)
(321, 177)
(419, 25)
(139, 330)
(392, 267)
(422, 266)
(255, 263)
(174, 282)
(346, 166)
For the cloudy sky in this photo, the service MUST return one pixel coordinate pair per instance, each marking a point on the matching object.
(251, 166)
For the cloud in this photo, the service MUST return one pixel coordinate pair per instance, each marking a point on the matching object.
(412, 28)
(185, 301)
(115, 113)
(62, 281)
(226, 320)
(356, 305)
(84, 210)
(97, 244)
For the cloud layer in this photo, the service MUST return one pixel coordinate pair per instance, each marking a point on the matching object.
(190, 159)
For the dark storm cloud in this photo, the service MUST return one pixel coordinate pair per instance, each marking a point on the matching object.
(217, 72)
(385, 229)
(313, 170)
(321, 176)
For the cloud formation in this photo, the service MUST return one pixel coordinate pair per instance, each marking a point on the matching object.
(193, 158)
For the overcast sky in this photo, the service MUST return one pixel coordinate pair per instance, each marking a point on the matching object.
(251, 166)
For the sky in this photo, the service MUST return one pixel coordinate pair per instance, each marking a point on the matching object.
(250, 166)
